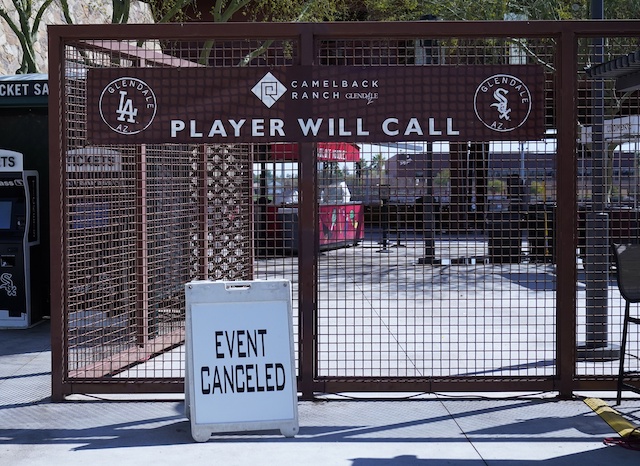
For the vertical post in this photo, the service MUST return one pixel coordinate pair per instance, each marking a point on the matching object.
(384, 195)
(203, 211)
(58, 277)
(566, 213)
(428, 220)
(596, 344)
(428, 53)
(260, 205)
(308, 245)
(142, 260)
(459, 205)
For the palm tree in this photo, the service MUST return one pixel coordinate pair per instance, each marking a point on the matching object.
(377, 165)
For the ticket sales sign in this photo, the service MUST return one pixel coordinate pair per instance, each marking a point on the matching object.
(311, 104)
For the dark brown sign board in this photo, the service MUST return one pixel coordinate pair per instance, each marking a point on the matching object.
(312, 104)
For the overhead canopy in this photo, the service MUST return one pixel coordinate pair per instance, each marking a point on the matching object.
(326, 152)
(625, 69)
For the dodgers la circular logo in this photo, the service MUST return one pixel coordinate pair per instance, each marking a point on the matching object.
(502, 102)
(127, 105)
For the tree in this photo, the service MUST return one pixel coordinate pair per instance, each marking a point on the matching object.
(250, 10)
(531, 9)
(26, 19)
(120, 13)
(497, 187)
(166, 11)
(377, 165)
(443, 178)
(25, 26)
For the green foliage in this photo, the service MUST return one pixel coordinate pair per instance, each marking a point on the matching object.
(294, 10)
(551, 9)
(120, 14)
(390, 10)
(24, 18)
(251, 10)
(377, 164)
(497, 187)
(164, 11)
(537, 188)
(530, 9)
(442, 178)
(380, 10)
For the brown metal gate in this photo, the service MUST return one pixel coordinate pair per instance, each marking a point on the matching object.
(424, 264)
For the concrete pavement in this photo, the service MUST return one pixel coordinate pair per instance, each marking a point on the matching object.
(390, 429)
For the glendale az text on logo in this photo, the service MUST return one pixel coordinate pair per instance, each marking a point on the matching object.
(128, 105)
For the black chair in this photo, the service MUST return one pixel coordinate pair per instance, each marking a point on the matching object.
(627, 259)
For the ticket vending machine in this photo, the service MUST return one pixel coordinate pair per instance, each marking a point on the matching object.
(20, 255)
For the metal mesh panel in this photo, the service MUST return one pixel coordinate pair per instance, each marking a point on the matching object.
(607, 173)
(433, 263)
(276, 201)
(454, 275)
(141, 221)
(101, 245)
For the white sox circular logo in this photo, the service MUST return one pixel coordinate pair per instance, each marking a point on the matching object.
(502, 102)
(127, 105)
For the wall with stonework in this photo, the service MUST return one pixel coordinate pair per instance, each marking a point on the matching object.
(82, 12)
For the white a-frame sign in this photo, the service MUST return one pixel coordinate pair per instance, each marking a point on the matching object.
(240, 366)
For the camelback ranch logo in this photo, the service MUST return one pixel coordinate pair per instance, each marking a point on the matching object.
(269, 90)
(315, 104)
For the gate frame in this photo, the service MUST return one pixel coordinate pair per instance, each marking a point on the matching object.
(566, 33)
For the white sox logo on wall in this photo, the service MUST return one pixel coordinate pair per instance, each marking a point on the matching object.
(127, 105)
(502, 102)
(6, 284)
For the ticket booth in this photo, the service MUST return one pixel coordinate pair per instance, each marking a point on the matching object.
(20, 253)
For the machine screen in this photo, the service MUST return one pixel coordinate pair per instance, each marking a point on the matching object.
(5, 215)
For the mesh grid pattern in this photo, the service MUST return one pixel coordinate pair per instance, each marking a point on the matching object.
(607, 203)
(435, 260)
(454, 275)
(135, 234)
